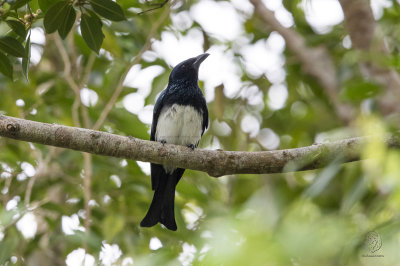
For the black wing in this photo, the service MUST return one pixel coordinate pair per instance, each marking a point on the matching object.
(205, 115)
(156, 113)
(157, 170)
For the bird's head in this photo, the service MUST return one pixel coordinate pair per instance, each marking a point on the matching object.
(187, 70)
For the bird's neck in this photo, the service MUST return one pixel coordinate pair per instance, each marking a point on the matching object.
(190, 81)
(185, 93)
(188, 86)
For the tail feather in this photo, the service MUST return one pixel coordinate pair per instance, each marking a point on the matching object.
(162, 206)
(154, 213)
(167, 217)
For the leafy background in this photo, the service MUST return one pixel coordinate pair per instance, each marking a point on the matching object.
(63, 207)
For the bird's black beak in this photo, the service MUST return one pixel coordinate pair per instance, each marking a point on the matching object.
(199, 60)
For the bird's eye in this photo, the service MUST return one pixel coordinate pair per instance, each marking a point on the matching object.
(183, 66)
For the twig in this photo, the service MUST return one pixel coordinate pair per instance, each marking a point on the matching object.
(72, 49)
(158, 6)
(42, 167)
(23, 212)
(135, 61)
(87, 159)
(86, 121)
(87, 191)
(7, 185)
(31, 182)
(213, 162)
(88, 69)
(74, 86)
(67, 70)
(365, 36)
(315, 61)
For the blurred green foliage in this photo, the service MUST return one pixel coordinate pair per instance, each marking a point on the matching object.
(316, 217)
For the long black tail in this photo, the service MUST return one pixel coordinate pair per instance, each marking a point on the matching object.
(162, 206)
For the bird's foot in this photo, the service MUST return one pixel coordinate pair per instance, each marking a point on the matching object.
(191, 146)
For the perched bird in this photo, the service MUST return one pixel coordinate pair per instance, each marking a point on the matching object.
(180, 117)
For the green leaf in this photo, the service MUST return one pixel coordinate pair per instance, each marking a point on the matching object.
(94, 15)
(108, 9)
(12, 46)
(18, 27)
(54, 16)
(69, 15)
(45, 5)
(358, 90)
(27, 59)
(91, 32)
(7, 248)
(5, 66)
(19, 3)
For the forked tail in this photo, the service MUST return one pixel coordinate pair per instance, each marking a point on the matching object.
(162, 206)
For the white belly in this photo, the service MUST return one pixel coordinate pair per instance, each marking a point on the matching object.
(179, 124)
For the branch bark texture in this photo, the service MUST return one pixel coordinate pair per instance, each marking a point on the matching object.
(214, 162)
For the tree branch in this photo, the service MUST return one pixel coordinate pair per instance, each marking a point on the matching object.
(366, 36)
(214, 162)
(360, 22)
(315, 61)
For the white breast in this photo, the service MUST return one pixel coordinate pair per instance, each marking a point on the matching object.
(179, 124)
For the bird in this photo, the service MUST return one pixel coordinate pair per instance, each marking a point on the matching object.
(180, 117)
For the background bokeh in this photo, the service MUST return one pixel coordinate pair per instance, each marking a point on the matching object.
(63, 207)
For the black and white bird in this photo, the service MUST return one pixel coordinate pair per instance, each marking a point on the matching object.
(180, 117)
